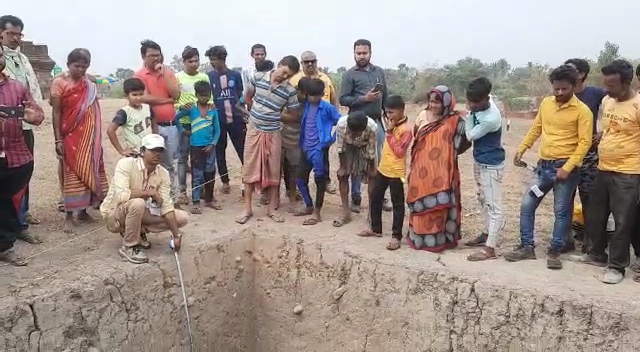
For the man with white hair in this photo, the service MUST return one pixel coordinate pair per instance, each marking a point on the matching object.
(139, 201)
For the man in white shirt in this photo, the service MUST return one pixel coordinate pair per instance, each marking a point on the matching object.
(258, 54)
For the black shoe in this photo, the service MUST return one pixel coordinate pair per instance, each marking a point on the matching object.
(568, 247)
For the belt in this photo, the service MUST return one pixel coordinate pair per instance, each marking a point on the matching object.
(167, 124)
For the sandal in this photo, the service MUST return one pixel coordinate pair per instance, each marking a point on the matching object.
(213, 205)
(340, 222)
(369, 233)
(226, 188)
(244, 219)
(276, 217)
(303, 212)
(394, 244)
(196, 209)
(481, 254)
(310, 221)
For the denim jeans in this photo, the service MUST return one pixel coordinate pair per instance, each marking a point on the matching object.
(489, 182)
(183, 159)
(563, 194)
(203, 170)
(356, 184)
(171, 144)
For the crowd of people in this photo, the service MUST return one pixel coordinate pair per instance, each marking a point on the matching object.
(283, 119)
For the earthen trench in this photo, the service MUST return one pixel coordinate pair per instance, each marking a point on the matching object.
(251, 292)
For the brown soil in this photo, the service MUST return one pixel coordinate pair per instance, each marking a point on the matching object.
(244, 283)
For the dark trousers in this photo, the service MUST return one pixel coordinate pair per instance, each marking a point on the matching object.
(13, 181)
(396, 188)
(237, 132)
(318, 162)
(203, 170)
(618, 194)
(30, 141)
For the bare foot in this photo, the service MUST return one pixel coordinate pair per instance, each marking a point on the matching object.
(69, 225)
(84, 217)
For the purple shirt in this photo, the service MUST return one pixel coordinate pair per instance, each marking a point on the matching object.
(311, 139)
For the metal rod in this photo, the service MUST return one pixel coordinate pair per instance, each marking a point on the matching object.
(184, 299)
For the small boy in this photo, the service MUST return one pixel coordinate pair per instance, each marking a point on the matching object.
(318, 118)
(356, 141)
(204, 131)
(136, 119)
(391, 172)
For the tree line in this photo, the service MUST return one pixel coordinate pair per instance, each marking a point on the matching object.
(519, 88)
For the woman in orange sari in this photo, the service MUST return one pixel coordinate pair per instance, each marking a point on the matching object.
(434, 179)
(78, 138)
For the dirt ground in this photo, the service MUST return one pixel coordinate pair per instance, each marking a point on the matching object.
(45, 190)
(76, 289)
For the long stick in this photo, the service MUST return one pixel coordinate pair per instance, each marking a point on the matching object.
(184, 299)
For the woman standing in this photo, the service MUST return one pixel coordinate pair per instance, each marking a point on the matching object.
(434, 178)
(78, 136)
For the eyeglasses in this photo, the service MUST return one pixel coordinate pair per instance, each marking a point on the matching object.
(309, 62)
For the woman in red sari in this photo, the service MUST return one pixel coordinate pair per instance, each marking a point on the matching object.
(78, 138)
(434, 178)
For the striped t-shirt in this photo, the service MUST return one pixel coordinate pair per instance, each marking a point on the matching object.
(268, 102)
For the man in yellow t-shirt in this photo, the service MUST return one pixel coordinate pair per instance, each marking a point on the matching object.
(617, 186)
(186, 80)
(565, 125)
(310, 69)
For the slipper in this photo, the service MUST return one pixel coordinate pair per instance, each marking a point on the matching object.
(480, 255)
(29, 238)
(303, 212)
(213, 205)
(340, 222)
(394, 244)
(226, 188)
(369, 233)
(310, 221)
(276, 217)
(196, 210)
(243, 219)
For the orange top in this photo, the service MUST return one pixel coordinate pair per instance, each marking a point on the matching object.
(155, 84)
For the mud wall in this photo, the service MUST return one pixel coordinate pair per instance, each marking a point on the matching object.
(273, 292)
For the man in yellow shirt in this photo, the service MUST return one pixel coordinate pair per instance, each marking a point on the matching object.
(617, 186)
(566, 127)
(310, 69)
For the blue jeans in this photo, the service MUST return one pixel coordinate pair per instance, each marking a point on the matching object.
(563, 194)
(356, 184)
(183, 159)
(171, 143)
(203, 170)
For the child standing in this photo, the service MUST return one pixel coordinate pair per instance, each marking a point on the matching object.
(318, 118)
(136, 120)
(391, 173)
(203, 127)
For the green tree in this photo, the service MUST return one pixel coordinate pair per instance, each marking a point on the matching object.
(123, 73)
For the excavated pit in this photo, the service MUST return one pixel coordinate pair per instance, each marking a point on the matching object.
(243, 288)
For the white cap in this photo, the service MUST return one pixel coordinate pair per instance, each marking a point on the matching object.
(153, 141)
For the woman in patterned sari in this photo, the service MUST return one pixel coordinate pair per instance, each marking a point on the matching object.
(434, 179)
(78, 138)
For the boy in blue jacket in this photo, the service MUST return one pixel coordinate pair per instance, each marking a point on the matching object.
(204, 131)
(318, 119)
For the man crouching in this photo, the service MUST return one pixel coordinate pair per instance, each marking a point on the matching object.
(139, 201)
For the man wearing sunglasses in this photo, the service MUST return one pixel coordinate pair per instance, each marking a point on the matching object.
(309, 63)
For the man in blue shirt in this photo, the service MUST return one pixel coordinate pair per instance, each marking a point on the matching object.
(592, 97)
(203, 127)
(484, 128)
(227, 91)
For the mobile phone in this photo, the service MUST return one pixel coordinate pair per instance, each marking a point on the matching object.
(14, 112)
(378, 87)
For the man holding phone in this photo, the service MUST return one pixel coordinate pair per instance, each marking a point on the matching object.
(16, 161)
(364, 88)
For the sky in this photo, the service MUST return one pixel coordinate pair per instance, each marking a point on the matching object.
(417, 33)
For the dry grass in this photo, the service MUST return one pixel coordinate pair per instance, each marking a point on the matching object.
(45, 190)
